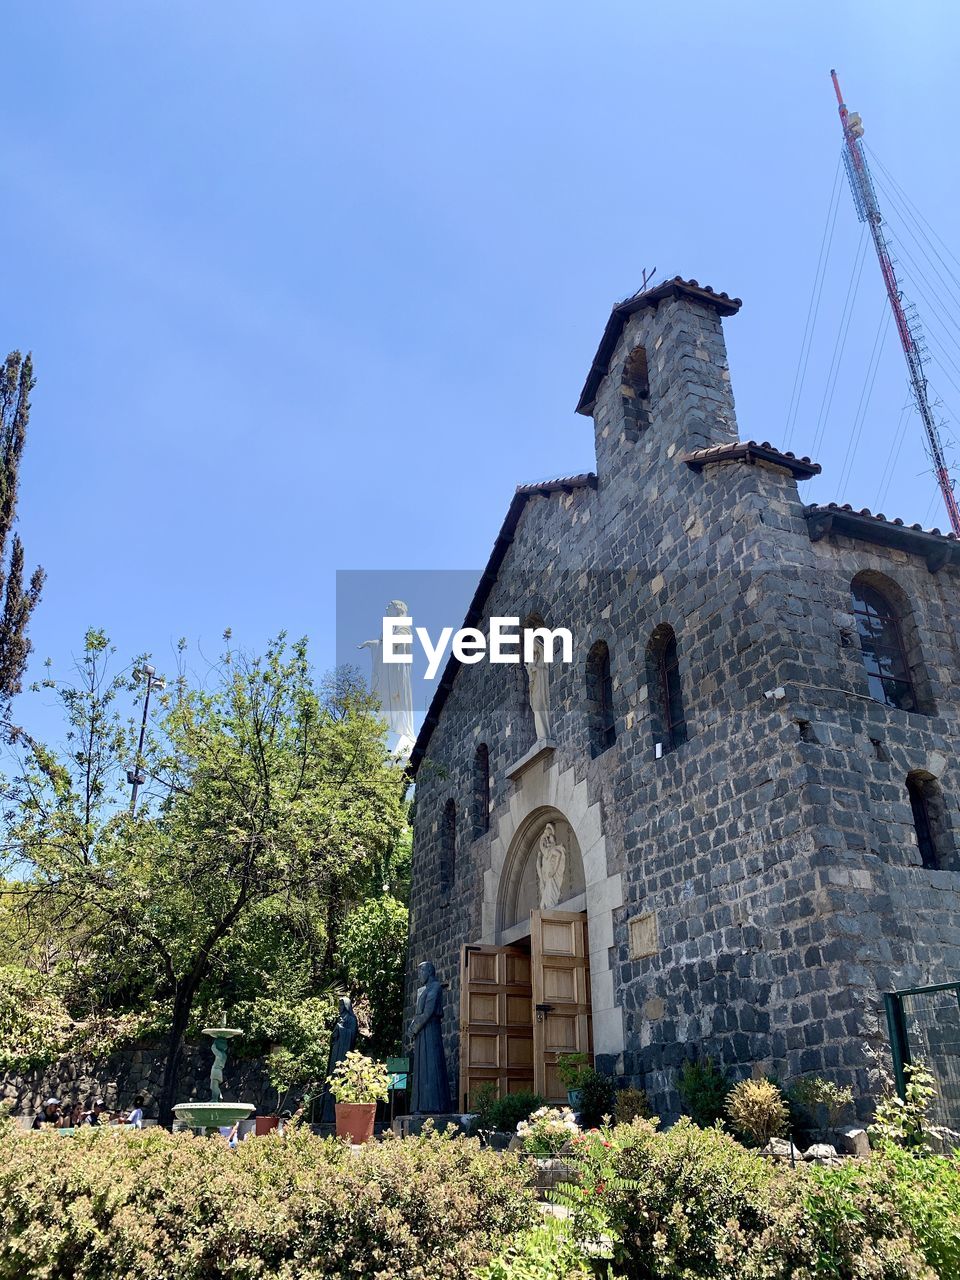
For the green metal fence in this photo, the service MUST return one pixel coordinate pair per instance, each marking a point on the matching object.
(924, 1025)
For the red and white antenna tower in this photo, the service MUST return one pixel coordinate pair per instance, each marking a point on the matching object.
(908, 325)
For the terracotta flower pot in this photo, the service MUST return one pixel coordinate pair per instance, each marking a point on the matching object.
(264, 1124)
(355, 1120)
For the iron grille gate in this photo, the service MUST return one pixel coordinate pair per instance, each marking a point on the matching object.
(924, 1025)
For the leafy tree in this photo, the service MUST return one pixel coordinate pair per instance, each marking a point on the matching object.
(263, 788)
(373, 952)
(34, 1023)
(16, 383)
(299, 1032)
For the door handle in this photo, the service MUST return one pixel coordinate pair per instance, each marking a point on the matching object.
(542, 1010)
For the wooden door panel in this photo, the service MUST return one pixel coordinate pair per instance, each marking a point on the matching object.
(496, 1021)
(561, 983)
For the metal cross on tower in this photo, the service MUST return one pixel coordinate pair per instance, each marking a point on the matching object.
(908, 326)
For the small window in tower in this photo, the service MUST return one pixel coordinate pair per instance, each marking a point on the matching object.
(481, 791)
(601, 722)
(448, 847)
(930, 824)
(665, 690)
(636, 375)
(889, 645)
(635, 390)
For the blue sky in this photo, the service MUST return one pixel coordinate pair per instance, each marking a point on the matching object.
(312, 287)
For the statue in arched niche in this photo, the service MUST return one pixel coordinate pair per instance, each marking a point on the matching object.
(551, 868)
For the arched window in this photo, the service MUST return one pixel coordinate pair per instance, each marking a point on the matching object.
(448, 847)
(601, 723)
(481, 791)
(934, 838)
(893, 671)
(635, 390)
(665, 693)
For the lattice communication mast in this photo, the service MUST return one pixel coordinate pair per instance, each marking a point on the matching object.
(908, 325)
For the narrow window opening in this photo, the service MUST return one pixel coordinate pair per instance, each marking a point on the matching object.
(666, 691)
(448, 847)
(601, 722)
(930, 824)
(635, 390)
(481, 791)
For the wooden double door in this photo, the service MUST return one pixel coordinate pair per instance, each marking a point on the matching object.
(523, 1005)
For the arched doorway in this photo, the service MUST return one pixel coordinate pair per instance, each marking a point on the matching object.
(526, 1001)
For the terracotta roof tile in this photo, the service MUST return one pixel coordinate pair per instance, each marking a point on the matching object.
(938, 549)
(752, 451)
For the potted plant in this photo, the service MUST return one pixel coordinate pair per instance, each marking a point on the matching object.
(357, 1085)
(572, 1068)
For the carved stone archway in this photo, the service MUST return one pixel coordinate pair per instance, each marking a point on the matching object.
(520, 890)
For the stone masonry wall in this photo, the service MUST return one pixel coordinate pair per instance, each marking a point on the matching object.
(775, 847)
(119, 1078)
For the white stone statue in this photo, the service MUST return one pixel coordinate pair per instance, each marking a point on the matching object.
(539, 691)
(551, 868)
(390, 682)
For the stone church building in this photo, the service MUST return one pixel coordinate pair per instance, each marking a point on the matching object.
(740, 825)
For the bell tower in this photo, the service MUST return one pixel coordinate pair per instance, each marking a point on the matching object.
(660, 376)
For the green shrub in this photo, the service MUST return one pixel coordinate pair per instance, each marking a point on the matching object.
(481, 1104)
(504, 1114)
(757, 1110)
(110, 1204)
(596, 1097)
(906, 1121)
(571, 1069)
(810, 1092)
(681, 1187)
(547, 1251)
(693, 1203)
(629, 1105)
(703, 1092)
(924, 1191)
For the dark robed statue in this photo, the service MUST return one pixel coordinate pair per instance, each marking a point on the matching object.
(343, 1038)
(430, 1093)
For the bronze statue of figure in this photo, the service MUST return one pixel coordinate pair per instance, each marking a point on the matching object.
(342, 1040)
(430, 1092)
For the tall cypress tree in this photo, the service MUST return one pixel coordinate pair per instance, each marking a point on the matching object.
(18, 601)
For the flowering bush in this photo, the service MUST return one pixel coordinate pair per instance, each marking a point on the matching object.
(694, 1203)
(548, 1130)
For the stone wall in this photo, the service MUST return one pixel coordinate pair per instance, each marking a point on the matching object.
(120, 1077)
(774, 850)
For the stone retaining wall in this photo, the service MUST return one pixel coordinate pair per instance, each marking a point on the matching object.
(121, 1076)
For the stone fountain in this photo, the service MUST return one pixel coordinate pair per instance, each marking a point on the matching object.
(216, 1113)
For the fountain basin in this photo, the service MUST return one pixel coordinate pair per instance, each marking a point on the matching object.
(212, 1115)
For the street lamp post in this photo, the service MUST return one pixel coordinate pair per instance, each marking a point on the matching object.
(136, 776)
